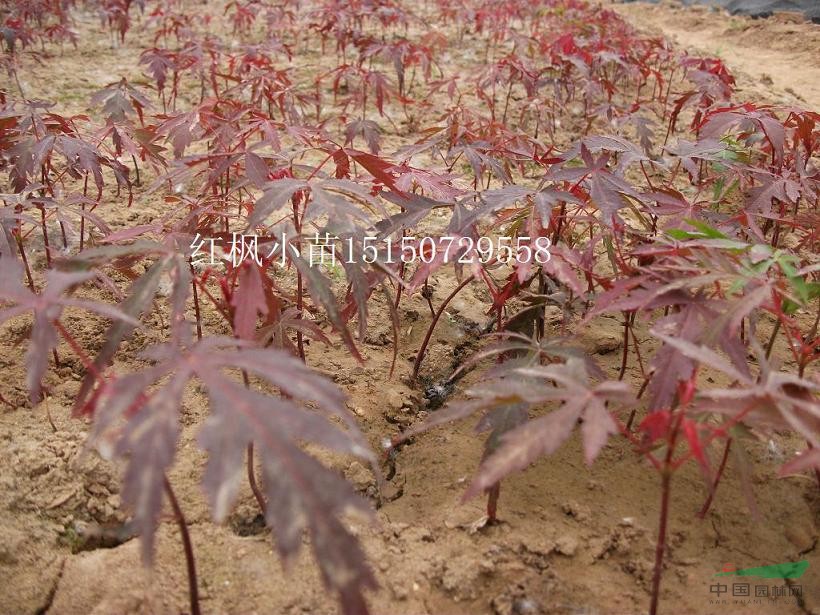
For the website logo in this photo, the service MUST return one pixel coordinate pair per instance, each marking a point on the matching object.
(786, 570)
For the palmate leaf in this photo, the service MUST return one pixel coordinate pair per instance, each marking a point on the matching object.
(367, 129)
(581, 399)
(562, 266)
(139, 298)
(746, 118)
(608, 190)
(698, 319)
(181, 129)
(158, 62)
(509, 392)
(772, 187)
(477, 155)
(46, 308)
(342, 201)
(466, 216)
(690, 154)
(256, 170)
(321, 292)
(121, 99)
(282, 322)
(276, 196)
(339, 207)
(248, 300)
(302, 494)
(498, 422)
(434, 184)
(669, 366)
(628, 153)
(772, 400)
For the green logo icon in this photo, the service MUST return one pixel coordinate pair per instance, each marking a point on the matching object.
(786, 570)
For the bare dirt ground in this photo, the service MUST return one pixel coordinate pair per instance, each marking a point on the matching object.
(573, 539)
(774, 58)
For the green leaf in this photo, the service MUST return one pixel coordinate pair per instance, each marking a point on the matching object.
(705, 229)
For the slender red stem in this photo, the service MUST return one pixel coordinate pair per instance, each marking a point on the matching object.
(88, 364)
(23, 257)
(46, 243)
(439, 312)
(708, 503)
(666, 487)
(196, 301)
(660, 548)
(492, 502)
(257, 493)
(625, 354)
(193, 590)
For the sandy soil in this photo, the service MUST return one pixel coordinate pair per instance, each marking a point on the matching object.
(774, 59)
(573, 539)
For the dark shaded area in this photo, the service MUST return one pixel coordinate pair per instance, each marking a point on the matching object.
(248, 526)
(760, 8)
